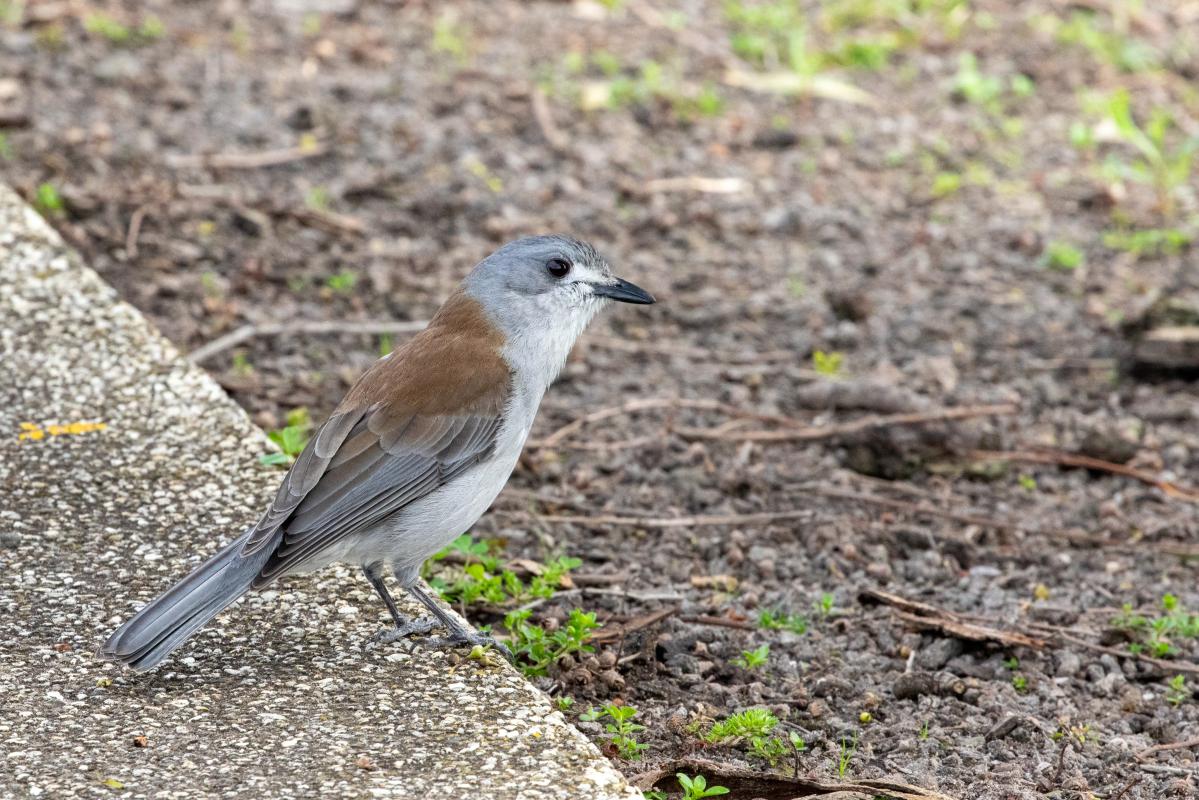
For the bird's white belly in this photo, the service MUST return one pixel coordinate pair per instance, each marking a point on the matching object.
(409, 537)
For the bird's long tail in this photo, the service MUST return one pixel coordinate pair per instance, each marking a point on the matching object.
(170, 619)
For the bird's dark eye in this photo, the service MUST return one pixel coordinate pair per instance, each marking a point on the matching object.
(557, 267)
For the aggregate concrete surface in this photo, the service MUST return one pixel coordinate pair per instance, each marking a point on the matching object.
(121, 468)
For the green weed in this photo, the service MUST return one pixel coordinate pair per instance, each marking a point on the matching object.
(536, 650)
(483, 579)
(107, 27)
(317, 198)
(773, 749)
(1149, 241)
(776, 40)
(343, 282)
(779, 620)
(945, 184)
(753, 722)
(451, 37)
(1063, 257)
(1107, 40)
(292, 438)
(825, 606)
(1157, 635)
(12, 12)
(1177, 692)
(623, 731)
(116, 32)
(753, 659)
(1162, 159)
(240, 364)
(848, 750)
(827, 363)
(48, 201)
(697, 788)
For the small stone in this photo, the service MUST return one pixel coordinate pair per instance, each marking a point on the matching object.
(1002, 728)
(1068, 664)
(937, 654)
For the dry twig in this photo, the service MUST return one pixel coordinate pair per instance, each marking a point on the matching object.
(701, 520)
(651, 404)
(310, 327)
(135, 227)
(1160, 663)
(327, 220)
(928, 616)
(265, 158)
(723, 622)
(1159, 748)
(612, 633)
(744, 782)
(815, 432)
(702, 354)
(1086, 462)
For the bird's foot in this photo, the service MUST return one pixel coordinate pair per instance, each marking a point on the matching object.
(473, 639)
(421, 625)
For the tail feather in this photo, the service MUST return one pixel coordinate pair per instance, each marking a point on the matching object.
(169, 620)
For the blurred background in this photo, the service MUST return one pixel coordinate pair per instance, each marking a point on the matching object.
(856, 214)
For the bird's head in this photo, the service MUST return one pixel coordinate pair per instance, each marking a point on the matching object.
(542, 291)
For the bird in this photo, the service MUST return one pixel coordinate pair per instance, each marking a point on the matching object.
(415, 452)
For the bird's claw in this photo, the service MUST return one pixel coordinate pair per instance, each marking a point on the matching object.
(412, 626)
(473, 639)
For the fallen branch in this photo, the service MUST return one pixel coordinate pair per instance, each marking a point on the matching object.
(265, 158)
(697, 183)
(923, 615)
(909, 507)
(1060, 459)
(1074, 538)
(1161, 663)
(702, 354)
(661, 522)
(327, 220)
(815, 432)
(752, 783)
(1127, 787)
(613, 633)
(135, 228)
(652, 404)
(969, 626)
(723, 622)
(1159, 748)
(310, 327)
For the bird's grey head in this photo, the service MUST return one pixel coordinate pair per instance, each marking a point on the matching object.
(542, 291)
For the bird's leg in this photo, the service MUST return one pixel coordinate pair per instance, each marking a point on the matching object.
(459, 634)
(404, 626)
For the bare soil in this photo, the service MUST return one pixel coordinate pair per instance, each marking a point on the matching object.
(410, 139)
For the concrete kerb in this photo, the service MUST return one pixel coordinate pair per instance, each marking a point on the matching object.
(121, 466)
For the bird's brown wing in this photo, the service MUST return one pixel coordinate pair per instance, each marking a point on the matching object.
(413, 422)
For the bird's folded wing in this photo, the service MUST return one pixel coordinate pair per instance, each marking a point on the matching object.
(375, 474)
(413, 422)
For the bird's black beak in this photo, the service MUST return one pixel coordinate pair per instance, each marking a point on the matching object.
(623, 291)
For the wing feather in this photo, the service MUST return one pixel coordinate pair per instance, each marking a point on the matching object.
(411, 423)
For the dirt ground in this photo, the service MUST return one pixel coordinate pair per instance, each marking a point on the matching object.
(951, 239)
